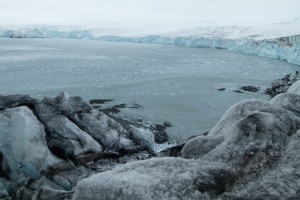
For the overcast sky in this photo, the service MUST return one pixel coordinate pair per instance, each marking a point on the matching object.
(78, 11)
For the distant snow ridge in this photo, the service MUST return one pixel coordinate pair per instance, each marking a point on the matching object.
(281, 41)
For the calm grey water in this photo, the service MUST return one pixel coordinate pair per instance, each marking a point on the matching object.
(177, 84)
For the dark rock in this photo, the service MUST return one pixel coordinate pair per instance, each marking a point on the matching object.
(45, 193)
(93, 157)
(174, 151)
(282, 85)
(114, 109)
(67, 139)
(160, 127)
(23, 193)
(160, 137)
(167, 124)
(135, 106)
(221, 89)
(12, 101)
(99, 101)
(250, 88)
(238, 91)
(205, 133)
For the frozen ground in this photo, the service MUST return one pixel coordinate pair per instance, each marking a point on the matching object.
(172, 83)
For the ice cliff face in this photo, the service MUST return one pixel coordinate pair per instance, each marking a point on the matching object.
(280, 41)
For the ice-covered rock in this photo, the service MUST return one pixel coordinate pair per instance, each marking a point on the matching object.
(251, 153)
(252, 149)
(250, 120)
(289, 101)
(162, 178)
(23, 143)
(102, 128)
(295, 88)
(279, 182)
(33, 132)
(68, 139)
(145, 136)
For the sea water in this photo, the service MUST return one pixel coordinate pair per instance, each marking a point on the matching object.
(177, 84)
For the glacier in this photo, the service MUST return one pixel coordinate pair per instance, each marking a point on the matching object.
(280, 41)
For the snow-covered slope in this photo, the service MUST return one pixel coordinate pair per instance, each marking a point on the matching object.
(280, 41)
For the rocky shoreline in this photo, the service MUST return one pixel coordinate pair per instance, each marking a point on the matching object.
(55, 142)
(68, 148)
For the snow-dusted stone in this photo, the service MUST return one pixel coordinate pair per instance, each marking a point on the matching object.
(247, 125)
(161, 178)
(23, 143)
(288, 101)
(102, 128)
(108, 133)
(280, 182)
(62, 104)
(145, 136)
(11, 101)
(71, 105)
(45, 193)
(295, 88)
(68, 139)
(68, 179)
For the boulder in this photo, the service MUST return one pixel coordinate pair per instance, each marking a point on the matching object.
(67, 140)
(289, 101)
(295, 88)
(250, 88)
(23, 143)
(161, 178)
(11, 101)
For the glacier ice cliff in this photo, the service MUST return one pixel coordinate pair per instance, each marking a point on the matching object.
(267, 42)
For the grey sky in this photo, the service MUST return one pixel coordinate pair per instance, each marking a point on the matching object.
(73, 11)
